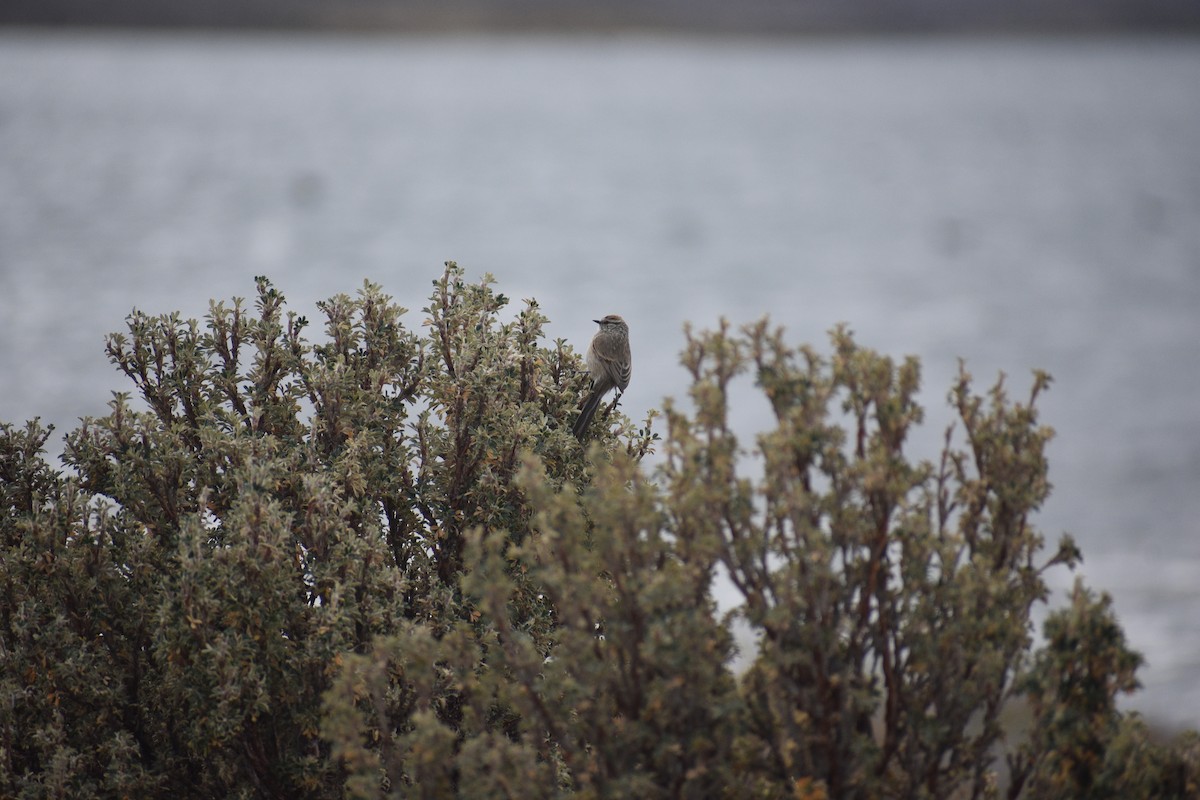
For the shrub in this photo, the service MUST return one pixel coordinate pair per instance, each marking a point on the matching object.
(382, 565)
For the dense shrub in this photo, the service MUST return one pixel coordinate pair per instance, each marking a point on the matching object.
(380, 564)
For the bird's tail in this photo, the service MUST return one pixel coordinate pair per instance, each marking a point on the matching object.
(585, 416)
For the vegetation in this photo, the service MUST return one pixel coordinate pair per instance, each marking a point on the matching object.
(381, 565)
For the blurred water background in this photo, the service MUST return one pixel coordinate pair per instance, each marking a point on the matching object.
(1016, 202)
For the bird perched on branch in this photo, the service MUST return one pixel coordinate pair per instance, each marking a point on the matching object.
(609, 364)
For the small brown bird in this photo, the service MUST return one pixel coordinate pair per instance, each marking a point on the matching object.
(609, 364)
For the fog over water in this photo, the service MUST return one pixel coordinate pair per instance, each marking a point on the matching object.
(1016, 203)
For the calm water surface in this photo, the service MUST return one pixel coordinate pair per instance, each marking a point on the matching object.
(1015, 203)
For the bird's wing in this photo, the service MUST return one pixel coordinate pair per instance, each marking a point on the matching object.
(614, 356)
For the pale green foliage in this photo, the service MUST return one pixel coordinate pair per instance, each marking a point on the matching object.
(379, 564)
(892, 598)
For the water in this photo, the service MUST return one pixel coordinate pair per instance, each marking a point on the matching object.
(1017, 203)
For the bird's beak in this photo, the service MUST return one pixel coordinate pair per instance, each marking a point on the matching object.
(596, 321)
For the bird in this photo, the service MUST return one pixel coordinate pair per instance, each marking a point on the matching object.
(609, 364)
